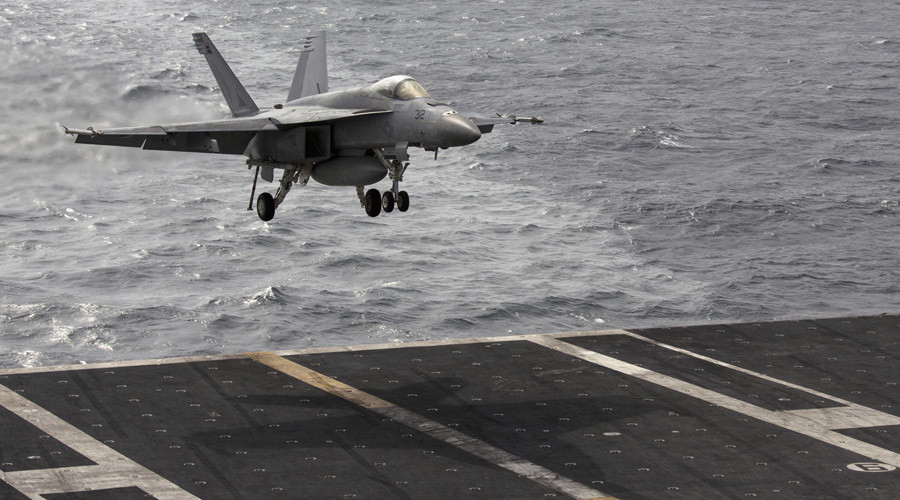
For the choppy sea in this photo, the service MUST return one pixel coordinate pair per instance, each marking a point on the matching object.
(700, 162)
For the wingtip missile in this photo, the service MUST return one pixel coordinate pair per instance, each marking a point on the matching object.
(534, 120)
(79, 131)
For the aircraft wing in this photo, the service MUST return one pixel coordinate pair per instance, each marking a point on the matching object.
(227, 136)
(290, 117)
(486, 125)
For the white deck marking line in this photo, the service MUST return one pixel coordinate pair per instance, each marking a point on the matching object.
(37, 482)
(293, 352)
(119, 364)
(113, 470)
(586, 333)
(438, 343)
(739, 369)
(796, 422)
(434, 429)
(851, 416)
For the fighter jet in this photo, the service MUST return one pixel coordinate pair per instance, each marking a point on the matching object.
(352, 137)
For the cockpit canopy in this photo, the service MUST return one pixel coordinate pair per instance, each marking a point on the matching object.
(400, 87)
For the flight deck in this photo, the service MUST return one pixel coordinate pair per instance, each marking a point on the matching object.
(785, 409)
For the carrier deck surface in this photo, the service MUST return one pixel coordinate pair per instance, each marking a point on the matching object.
(788, 409)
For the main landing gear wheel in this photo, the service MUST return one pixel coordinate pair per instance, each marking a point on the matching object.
(265, 206)
(387, 201)
(402, 201)
(373, 203)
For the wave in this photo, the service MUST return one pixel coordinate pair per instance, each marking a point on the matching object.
(75, 332)
(271, 295)
(143, 92)
(647, 136)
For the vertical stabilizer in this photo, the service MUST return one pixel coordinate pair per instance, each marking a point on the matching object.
(311, 75)
(235, 95)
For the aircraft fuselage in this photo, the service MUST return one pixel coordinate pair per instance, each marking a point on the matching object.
(419, 122)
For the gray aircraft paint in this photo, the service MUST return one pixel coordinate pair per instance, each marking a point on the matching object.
(352, 137)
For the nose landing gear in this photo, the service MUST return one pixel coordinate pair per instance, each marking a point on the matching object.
(375, 202)
(391, 198)
(402, 201)
(387, 201)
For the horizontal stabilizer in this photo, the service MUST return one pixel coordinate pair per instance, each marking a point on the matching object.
(235, 95)
(311, 75)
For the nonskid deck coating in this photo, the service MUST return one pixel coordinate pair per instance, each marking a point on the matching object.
(790, 409)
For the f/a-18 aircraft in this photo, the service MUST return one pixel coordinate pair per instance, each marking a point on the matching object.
(351, 137)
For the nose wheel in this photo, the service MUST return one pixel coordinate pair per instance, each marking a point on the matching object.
(402, 201)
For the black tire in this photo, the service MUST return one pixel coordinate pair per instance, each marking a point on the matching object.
(373, 202)
(387, 201)
(265, 206)
(402, 201)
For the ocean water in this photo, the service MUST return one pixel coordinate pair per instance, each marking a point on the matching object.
(700, 162)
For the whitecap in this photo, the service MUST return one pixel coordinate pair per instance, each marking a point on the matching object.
(269, 295)
(28, 358)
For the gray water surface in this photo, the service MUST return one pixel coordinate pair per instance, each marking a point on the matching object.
(700, 163)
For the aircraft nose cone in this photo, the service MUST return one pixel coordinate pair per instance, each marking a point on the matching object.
(456, 130)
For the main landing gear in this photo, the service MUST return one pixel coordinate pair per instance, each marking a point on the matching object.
(265, 206)
(266, 203)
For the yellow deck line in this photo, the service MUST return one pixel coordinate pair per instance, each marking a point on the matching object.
(434, 429)
(319, 380)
